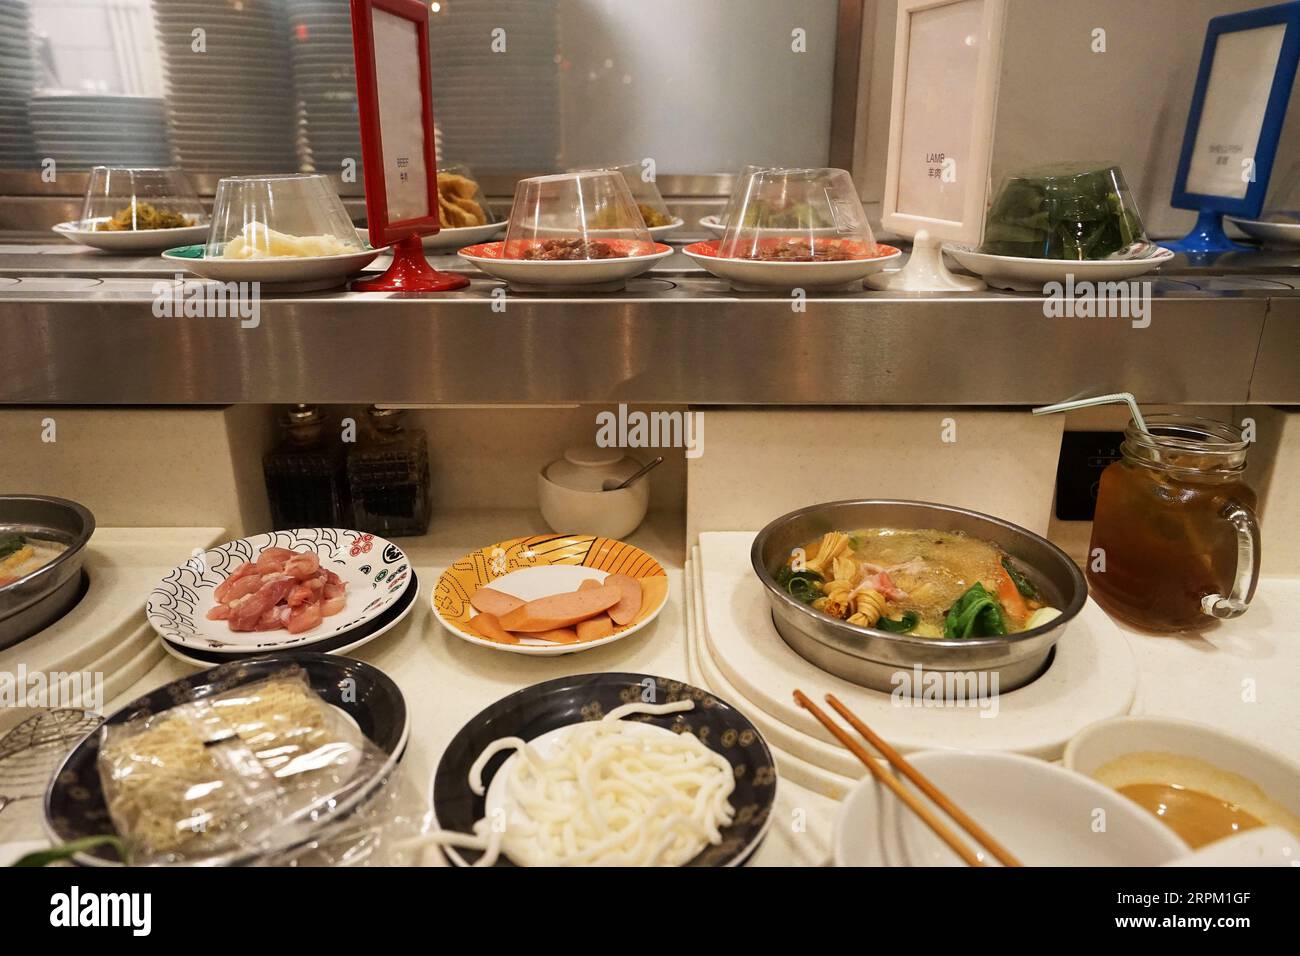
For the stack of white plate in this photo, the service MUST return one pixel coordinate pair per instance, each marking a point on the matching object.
(104, 634)
(325, 78)
(79, 130)
(497, 110)
(230, 106)
(17, 78)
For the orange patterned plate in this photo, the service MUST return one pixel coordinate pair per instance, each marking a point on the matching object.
(540, 565)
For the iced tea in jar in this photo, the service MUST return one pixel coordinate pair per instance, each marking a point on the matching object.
(1175, 541)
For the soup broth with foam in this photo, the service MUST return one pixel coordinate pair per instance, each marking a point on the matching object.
(922, 582)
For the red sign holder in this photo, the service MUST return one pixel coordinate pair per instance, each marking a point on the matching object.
(410, 271)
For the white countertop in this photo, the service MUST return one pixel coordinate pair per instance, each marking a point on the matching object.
(1234, 676)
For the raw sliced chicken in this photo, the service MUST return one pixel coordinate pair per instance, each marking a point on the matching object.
(302, 566)
(282, 589)
(222, 593)
(273, 559)
(304, 618)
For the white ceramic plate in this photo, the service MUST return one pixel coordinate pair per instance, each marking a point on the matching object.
(1043, 814)
(714, 224)
(560, 273)
(755, 273)
(377, 573)
(717, 227)
(449, 240)
(302, 273)
(656, 232)
(1030, 275)
(1269, 233)
(139, 240)
(498, 803)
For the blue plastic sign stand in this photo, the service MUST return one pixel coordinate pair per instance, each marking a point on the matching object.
(1208, 148)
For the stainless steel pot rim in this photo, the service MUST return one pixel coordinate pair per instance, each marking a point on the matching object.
(55, 567)
(1067, 613)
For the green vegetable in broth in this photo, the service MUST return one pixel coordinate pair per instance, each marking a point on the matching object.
(976, 614)
(1018, 578)
(800, 585)
(903, 625)
(9, 543)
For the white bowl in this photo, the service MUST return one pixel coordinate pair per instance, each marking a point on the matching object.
(610, 514)
(1100, 743)
(1024, 274)
(1043, 814)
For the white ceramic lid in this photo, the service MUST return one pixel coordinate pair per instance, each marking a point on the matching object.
(585, 467)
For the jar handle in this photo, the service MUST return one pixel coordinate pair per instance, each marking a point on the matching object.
(1247, 574)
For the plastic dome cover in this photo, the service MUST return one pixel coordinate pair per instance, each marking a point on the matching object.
(654, 211)
(294, 215)
(124, 198)
(461, 202)
(1066, 211)
(796, 215)
(587, 215)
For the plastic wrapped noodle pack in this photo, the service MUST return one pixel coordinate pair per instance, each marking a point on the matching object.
(379, 833)
(247, 772)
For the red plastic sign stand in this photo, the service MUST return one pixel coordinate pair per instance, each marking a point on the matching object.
(409, 177)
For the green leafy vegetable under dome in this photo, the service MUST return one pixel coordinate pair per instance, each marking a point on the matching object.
(1065, 212)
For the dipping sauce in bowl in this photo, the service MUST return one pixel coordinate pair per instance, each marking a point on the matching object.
(1194, 798)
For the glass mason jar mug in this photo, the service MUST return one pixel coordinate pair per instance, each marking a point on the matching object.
(1175, 540)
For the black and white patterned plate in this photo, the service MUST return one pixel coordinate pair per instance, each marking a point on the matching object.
(342, 645)
(377, 573)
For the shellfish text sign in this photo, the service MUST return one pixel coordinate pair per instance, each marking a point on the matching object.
(1232, 115)
(401, 116)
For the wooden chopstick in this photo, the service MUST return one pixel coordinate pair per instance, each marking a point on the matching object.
(940, 829)
(1003, 855)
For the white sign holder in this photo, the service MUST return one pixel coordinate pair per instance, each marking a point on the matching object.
(947, 61)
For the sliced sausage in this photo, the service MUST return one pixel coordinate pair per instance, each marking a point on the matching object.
(594, 628)
(629, 602)
(489, 626)
(561, 610)
(492, 601)
(560, 635)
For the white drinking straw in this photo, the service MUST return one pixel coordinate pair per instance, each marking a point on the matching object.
(1111, 399)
